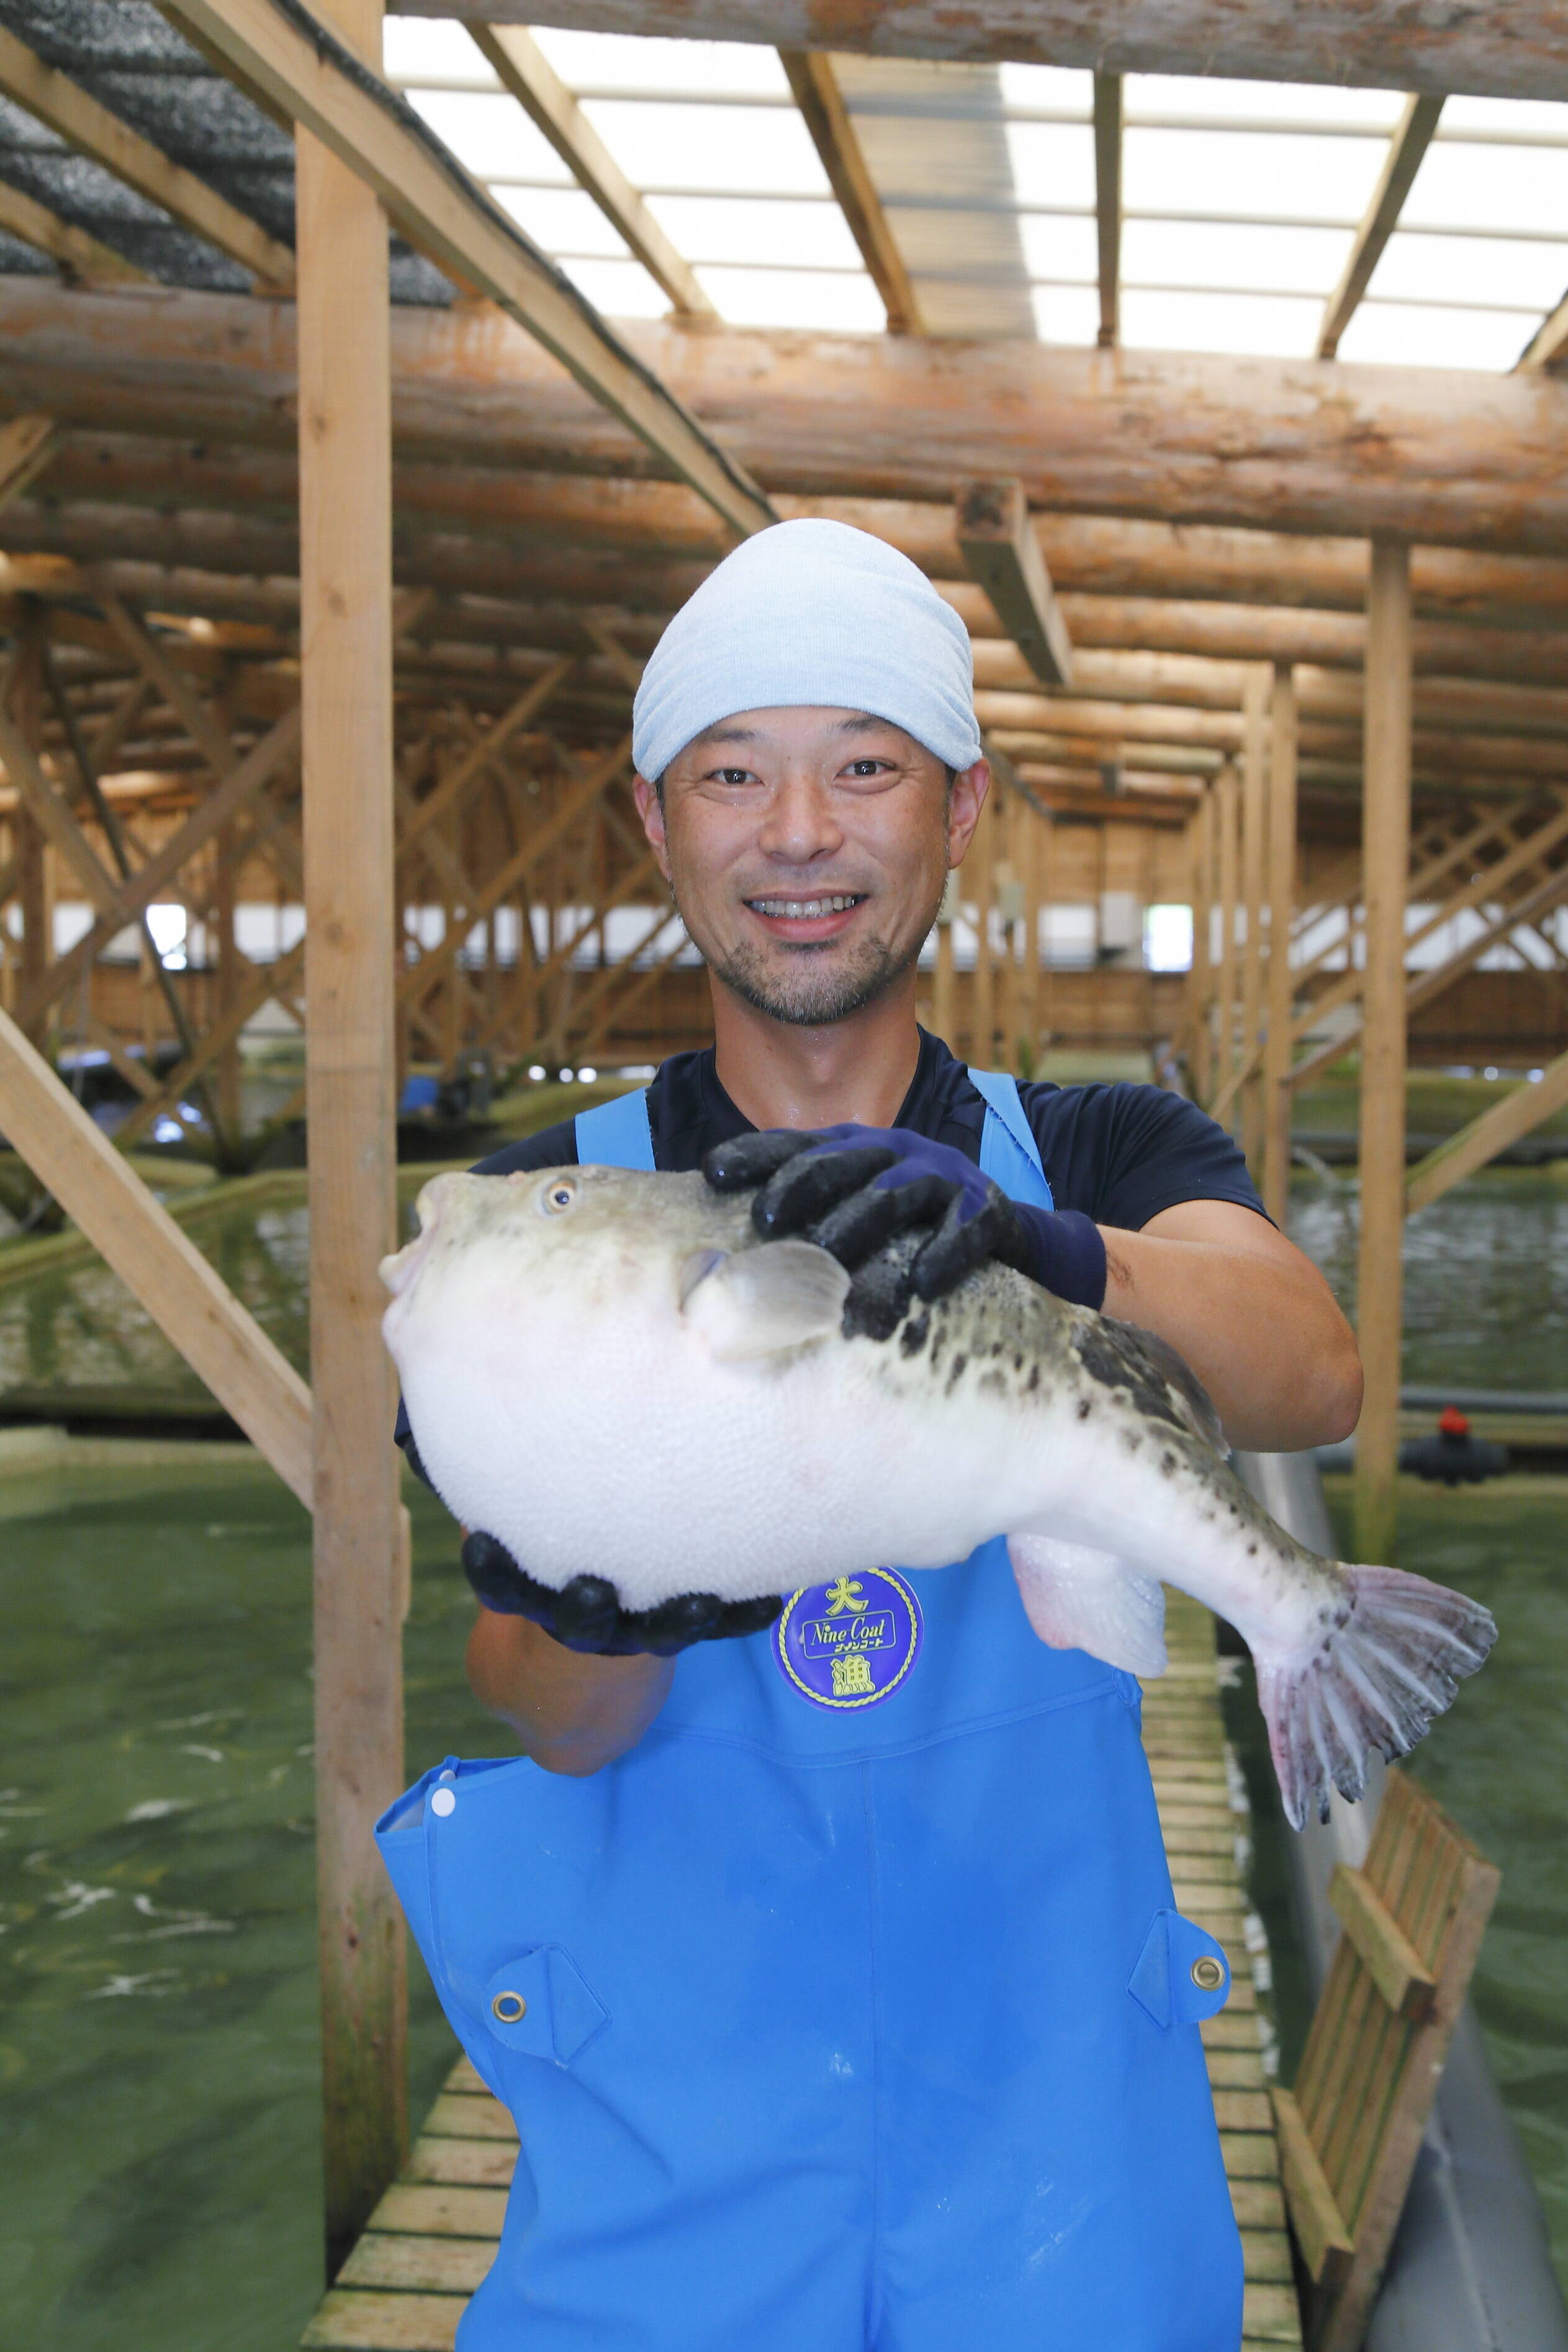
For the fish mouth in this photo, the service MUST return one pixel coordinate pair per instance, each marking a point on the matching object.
(398, 1268)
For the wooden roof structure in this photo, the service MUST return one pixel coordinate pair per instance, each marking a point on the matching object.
(321, 460)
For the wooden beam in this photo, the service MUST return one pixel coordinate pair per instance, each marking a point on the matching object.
(999, 545)
(361, 1547)
(1381, 46)
(1278, 1099)
(76, 1161)
(1385, 853)
(1108, 200)
(1254, 881)
(26, 446)
(81, 257)
(1315, 2216)
(327, 91)
(131, 897)
(1548, 347)
(821, 102)
(523, 68)
(94, 130)
(46, 807)
(1411, 139)
(1478, 1143)
(1391, 1959)
(1455, 459)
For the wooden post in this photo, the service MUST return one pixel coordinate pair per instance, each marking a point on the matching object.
(1201, 1031)
(1254, 820)
(1277, 1090)
(345, 596)
(1385, 862)
(942, 1007)
(229, 982)
(32, 872)
(982, 995)
(1036, 839)
(1226, 821)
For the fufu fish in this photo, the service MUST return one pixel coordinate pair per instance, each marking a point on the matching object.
(608, 1371)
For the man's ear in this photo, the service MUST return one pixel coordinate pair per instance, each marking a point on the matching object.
(964, 803)
(650, 809)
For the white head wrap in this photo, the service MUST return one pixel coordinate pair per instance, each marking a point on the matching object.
(810, 613)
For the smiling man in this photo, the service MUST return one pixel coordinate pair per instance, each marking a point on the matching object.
(832, 1968)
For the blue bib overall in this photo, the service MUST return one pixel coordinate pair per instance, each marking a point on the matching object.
(850, 2011)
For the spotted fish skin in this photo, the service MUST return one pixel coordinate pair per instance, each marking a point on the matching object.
(609, 1373)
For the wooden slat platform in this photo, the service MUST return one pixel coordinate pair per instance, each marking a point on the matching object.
(432, 2237)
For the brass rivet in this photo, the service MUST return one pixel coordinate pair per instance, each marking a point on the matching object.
(509, 2007)
(1208, 1975)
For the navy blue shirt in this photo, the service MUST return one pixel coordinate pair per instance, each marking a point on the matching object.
(1119, 1153)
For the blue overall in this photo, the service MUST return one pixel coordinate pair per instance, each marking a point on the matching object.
(839, 2027)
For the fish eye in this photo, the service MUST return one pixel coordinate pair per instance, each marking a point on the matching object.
(558, 1197)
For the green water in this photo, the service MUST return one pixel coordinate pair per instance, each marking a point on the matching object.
(160, 2141)
(160, 2134)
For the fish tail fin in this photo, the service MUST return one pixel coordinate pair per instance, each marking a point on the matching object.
(1389, 1667)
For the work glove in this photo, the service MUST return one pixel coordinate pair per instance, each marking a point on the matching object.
(586, 1614)
(866, 1195)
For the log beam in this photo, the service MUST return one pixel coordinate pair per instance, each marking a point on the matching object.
(1381, 46)
(815, 90)
(1450, 459)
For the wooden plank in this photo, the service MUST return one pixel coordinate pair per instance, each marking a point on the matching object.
(999, 544)
(351, 2320)
(1108, 200)
(1254, 877)
(133, 896)
(1391, 1959)
(442, 2208)
(456, 2116)
(1385, 851)
(522, 67)
(26, 446)
(1411, 137)
(814, 87)
(429, 2265)
(462, 2163)
(81, 258)
(1270, 2314)
(1315, 2216)
(46, 805)
(326, 91)
(1266, 2256)
(360, 1557)
(1494, 1130)
(162, 1269)
(1277, 1095)
(94, 130)
(1258, 2204)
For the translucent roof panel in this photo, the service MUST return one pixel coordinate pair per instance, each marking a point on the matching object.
(1240, 175)
(1277, 326)
(1240, 198)
(752, 229)
(1412, 334)
(1243, 257)
(1524, 275)
(738, 148)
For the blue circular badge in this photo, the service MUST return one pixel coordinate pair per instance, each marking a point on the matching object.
(851, 1642)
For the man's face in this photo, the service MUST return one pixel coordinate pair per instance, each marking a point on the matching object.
(807, 850)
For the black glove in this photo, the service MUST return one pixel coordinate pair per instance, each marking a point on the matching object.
(860, 1192)
(586, 1614)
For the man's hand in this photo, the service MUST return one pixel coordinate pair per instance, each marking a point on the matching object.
(853, 1191)
(587, 1615)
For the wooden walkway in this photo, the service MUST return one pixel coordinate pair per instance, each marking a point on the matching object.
(432, 2237)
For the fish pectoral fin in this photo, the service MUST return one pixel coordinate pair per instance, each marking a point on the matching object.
(1079, 1599)
(758, 1302)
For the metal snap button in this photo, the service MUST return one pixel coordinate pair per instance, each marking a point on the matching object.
(1208, 1974)
(509, 2007)
(442, 1802)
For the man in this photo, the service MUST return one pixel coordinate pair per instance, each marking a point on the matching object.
(829, 2032)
